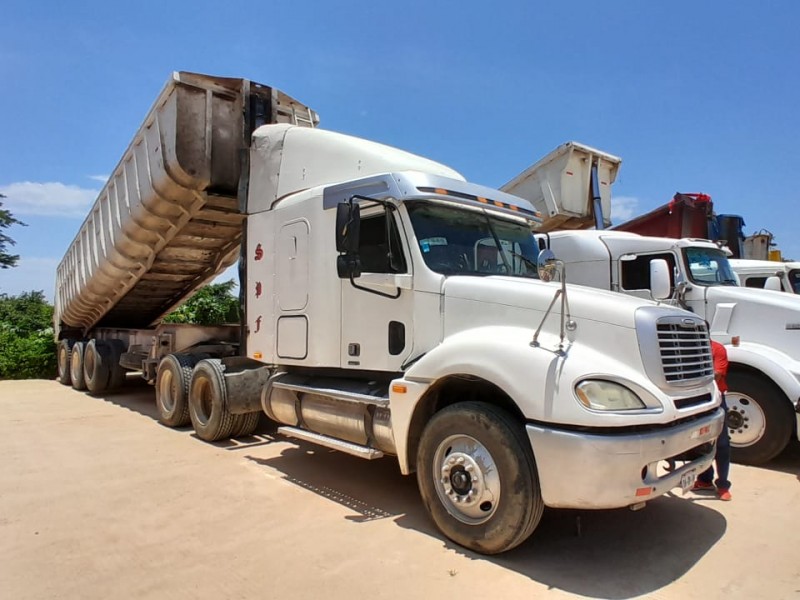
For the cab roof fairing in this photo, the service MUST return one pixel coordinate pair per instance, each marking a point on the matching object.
(413, 185)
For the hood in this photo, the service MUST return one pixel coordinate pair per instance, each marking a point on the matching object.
(755, 315)
(498, 299)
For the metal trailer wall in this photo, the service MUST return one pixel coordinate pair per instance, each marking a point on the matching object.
(168, 219)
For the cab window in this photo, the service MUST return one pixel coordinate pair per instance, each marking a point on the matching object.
(636, 273)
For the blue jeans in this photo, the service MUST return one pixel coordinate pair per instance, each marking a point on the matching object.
(722, 458)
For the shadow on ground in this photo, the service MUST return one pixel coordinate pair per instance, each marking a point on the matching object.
(611, 553)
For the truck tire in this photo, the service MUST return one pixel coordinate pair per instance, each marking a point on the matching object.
(96, 369)
(64, 349)
(760, 419)
(208, 401)
(477, 477)
(117, 377)
(246, 424)
(173, 380)
(76, 366)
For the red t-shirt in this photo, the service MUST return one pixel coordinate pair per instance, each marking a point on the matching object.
(720, 364)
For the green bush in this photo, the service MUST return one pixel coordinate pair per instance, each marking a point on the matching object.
(214, 304)
(27, 347)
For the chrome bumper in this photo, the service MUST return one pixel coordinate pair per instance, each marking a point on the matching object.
(580, 470)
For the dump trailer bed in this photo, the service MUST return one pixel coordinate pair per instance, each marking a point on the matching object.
(168, 220)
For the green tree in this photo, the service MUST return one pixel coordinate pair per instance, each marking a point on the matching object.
(27, 347)
(7, 220)
(213, 304)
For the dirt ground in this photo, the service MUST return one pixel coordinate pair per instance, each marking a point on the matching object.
(97, 500)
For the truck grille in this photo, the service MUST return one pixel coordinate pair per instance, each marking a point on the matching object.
(685, 349)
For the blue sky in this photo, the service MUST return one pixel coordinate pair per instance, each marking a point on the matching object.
(694, 96)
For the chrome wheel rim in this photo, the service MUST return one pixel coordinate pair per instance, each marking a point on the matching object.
(745, 420)
(166, 391)
(203, 404)
(466, 479)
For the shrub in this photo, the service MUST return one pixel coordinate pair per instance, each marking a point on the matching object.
(213, 304)
(27, 347)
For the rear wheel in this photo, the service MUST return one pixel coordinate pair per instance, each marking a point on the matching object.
(246, 424)
(63, 358)
(477, 477)
(96, 368)
(173, 380)
(208, 402)
(760, 419)
(117, 371)
(76, 366)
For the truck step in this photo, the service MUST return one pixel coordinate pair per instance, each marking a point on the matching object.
(330, 442)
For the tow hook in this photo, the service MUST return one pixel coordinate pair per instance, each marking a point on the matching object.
(637, 506)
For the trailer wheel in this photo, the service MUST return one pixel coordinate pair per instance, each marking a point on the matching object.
(96, 371)
(173, 379)
(477, 477)
(208, 401)
(760, 419)
(76, 366)
(246, 424)
(117, 377)
(64, 349)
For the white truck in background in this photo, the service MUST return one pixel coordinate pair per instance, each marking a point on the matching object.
(390, 308)
(768, 274)
(761, 329)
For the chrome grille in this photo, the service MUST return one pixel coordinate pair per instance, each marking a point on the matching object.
(685, 349)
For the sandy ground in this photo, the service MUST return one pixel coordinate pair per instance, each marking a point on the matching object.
(97, 500)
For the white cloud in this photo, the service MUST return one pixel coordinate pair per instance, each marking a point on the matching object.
(100, 178)
(47, 199)
(623, 208)
(29, 275)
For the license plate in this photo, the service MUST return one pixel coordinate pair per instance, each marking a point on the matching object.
(687, 479)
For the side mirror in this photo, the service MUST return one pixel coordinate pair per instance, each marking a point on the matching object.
(546, 262)
(660, 286)
(348, 227)
(348, 265)
(773, 283)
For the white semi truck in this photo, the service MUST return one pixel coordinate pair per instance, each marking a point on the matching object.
(768, 274)
(760, 328)
(390, 308)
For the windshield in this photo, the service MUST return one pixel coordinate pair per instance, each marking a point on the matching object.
(464, 241)
(709, 266)
(794, 280)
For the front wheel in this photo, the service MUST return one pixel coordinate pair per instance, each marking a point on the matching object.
(477, 477)
(759, 420)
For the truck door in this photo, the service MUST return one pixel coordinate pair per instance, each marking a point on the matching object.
(634, 273)
(377, 322)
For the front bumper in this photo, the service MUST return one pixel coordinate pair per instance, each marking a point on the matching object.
(583, 470)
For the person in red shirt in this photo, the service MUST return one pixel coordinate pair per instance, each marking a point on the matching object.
(705, 481)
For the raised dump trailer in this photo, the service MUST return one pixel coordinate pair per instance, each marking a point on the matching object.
(570, 187)
(168, 220)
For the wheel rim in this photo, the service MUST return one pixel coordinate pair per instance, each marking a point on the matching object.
(746, 420)
(204, 404)
(167, 391)
(76, 364)
(466, 479)
(88, 361)
(63, 361)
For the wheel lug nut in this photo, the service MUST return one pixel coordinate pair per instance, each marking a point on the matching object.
(460, 460)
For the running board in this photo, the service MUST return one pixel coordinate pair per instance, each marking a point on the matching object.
(331, 442)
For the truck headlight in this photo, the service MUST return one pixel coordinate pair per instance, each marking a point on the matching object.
(597, 394)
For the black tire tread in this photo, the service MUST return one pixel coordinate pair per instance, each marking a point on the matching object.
(223, 426)
(64, 378)
(246, 424)
(777, 410)
(78, 383)
(506, 421)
